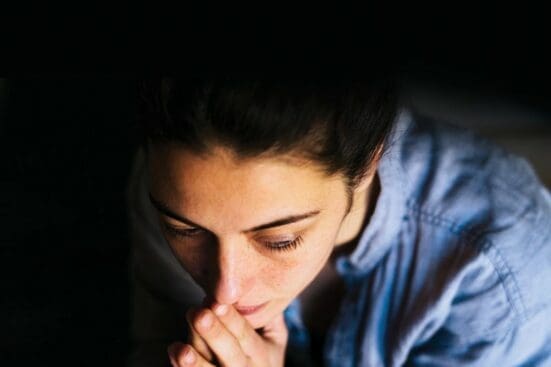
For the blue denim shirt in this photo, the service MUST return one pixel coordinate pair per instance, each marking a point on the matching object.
(454, 267)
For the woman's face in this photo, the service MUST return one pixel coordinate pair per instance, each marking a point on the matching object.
(252, 233)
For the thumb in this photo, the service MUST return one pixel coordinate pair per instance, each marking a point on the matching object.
(276, 331)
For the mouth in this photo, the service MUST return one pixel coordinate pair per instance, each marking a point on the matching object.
(249, 310)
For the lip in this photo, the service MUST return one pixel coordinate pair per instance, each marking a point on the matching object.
(249, 310)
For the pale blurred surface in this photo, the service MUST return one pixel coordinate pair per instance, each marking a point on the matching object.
(521, 128)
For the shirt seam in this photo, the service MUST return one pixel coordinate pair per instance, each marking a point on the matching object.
(484, 247)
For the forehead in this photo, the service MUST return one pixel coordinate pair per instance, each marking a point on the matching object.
(221, 184)
(218, 158)
(221, 168)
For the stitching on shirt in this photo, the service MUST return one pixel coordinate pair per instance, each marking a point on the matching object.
(471, 237)
(504, 273)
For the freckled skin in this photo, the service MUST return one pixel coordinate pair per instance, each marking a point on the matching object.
(225, 196)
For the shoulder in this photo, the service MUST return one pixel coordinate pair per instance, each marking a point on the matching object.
(445, 165)
(490, 205)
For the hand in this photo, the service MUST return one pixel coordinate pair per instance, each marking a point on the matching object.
(220, 336)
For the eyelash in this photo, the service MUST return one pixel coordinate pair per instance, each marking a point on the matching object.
(272, 246)
(284, 245)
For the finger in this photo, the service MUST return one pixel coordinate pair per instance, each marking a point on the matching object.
(184, 355)
(195, 339)
(236, 324)
(219, 339)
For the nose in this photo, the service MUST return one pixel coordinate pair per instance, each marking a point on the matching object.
(234, 272)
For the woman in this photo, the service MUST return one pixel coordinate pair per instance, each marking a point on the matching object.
(312, 223)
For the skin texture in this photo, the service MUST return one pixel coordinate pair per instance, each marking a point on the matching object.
(223, 198)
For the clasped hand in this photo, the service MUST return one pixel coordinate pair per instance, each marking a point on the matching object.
(221, 336)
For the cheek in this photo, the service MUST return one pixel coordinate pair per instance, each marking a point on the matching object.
(313, 257)
(293, 272)
(280, 275)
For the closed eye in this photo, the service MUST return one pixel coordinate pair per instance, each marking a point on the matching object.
(270, 245)
(284, 245)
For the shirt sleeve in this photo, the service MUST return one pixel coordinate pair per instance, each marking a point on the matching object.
(501, 312)
(525, 344)
(484, 328)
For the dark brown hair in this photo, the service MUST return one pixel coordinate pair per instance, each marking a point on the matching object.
(339, 124)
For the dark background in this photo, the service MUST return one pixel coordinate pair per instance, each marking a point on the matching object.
(67, 108)
(63, 245)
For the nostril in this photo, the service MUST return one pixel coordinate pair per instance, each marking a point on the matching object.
(227, 291)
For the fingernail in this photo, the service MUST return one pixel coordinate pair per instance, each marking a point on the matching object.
(189, 356)
(206, 320)
(220, 310)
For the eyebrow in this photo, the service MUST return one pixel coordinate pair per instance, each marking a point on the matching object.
(163, 208)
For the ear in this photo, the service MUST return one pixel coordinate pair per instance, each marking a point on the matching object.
(367, 179)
